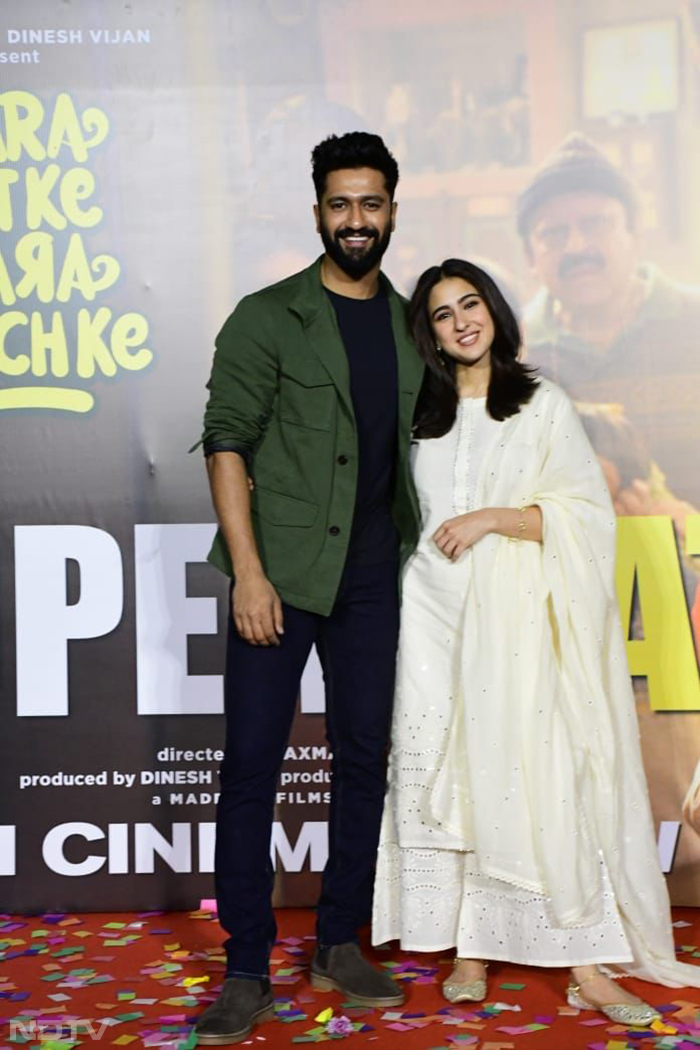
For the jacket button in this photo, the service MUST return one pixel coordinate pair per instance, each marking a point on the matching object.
(334, 530)
(342, 460)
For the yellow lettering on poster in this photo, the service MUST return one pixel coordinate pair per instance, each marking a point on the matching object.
(24, 115)
(77, 185)
(648, 556)
(93, 352)
(19, 364)
(80, 275)
(49, 277)
(8, 178)
(692, 535)
(7, 292)
(51, 342)
(34, 257)
(52, 193)
(128, 333)
(67, 129)
(40, 207)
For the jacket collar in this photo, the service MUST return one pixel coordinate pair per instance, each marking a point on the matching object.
(310, 296)
(313, 306)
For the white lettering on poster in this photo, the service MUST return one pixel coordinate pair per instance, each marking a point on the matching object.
(206, 841)
(60, 779)
(313, 689)
(176, 776)
(165, 616)
(8, 849)
(193, 798)
(54, 843)
(118, 849)
(149, 843)
(45, 620)
(177, 853)
(669, 833)
(312, 842)
(125, 853)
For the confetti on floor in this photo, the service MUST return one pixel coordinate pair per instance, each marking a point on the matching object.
(140, 981)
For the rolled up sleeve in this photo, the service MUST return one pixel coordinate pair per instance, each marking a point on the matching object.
(243, 383)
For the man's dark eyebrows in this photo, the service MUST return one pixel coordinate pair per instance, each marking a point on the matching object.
(363, 199)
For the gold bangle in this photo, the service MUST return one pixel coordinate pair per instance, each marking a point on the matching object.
(522, 524)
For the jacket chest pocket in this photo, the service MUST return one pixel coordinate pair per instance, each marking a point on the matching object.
(307, 395)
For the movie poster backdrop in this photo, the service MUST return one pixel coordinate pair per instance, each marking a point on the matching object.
(154, 168)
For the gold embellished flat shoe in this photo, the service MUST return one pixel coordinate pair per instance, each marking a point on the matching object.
(465, 991)
(638, 1013)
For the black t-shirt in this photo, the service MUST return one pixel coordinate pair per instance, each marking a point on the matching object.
(365, 328)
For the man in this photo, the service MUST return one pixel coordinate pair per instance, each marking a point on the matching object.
(609, 328)
(312, 393)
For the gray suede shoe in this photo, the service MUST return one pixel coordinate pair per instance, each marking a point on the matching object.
(343, 968)
(230, 1018)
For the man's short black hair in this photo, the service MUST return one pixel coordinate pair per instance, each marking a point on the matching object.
(356, 149)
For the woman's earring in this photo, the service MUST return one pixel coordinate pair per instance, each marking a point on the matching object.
(440, 354)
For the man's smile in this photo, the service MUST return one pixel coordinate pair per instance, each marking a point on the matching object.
(356, 240)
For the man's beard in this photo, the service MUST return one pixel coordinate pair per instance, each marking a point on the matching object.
(355, 262)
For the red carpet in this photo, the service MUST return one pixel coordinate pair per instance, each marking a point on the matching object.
(139, 980)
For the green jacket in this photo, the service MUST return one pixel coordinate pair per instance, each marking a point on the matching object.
(280, 396)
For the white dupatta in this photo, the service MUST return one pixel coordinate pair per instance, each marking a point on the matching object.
(543, 776)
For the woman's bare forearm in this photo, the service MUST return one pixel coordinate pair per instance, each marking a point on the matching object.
(523, 524)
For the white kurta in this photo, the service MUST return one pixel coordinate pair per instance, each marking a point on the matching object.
(517, 824)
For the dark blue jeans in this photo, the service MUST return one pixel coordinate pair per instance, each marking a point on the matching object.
(357, 649)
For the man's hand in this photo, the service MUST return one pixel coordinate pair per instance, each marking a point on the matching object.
(257, 610)
(458, 534)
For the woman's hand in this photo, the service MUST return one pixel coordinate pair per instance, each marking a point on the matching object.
(456, 535)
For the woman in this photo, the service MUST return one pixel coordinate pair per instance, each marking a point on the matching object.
(517, 823)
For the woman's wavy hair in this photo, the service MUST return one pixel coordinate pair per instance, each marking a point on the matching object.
(512, 383)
